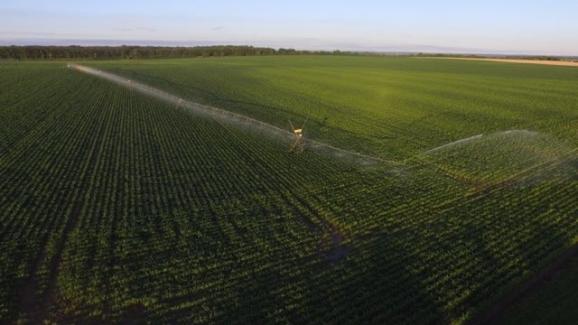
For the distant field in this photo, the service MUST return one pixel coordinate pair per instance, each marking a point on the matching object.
(524, 61)
(394, 107)
(116, 206)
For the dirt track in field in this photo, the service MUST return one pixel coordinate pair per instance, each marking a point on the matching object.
(236, 120)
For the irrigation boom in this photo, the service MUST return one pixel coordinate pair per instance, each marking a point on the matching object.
(235, 119)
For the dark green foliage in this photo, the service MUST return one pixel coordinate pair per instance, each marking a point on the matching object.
(551, 301)
(127, 52)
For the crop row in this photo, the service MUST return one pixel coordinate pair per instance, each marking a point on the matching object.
(122, 207)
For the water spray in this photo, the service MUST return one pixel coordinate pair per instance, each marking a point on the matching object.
(240, 121)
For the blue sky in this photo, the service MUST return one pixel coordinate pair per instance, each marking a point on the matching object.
(507, 26)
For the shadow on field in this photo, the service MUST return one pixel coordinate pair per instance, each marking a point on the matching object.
(370, 286)
(374, 285)
(544, 262)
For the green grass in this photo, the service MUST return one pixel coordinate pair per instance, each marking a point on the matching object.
(114, 206)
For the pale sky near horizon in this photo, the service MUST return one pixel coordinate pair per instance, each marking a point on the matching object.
(507, 26)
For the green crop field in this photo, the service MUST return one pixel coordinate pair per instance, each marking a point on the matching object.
(116, 206)
(553, 302)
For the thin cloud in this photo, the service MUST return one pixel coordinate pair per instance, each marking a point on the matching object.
(134, 29)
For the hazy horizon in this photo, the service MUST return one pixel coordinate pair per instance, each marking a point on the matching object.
(516, 27)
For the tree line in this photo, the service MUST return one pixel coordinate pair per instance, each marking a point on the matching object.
(133, 52)
(156, 52)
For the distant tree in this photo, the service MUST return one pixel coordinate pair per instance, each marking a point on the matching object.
(147, 52)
